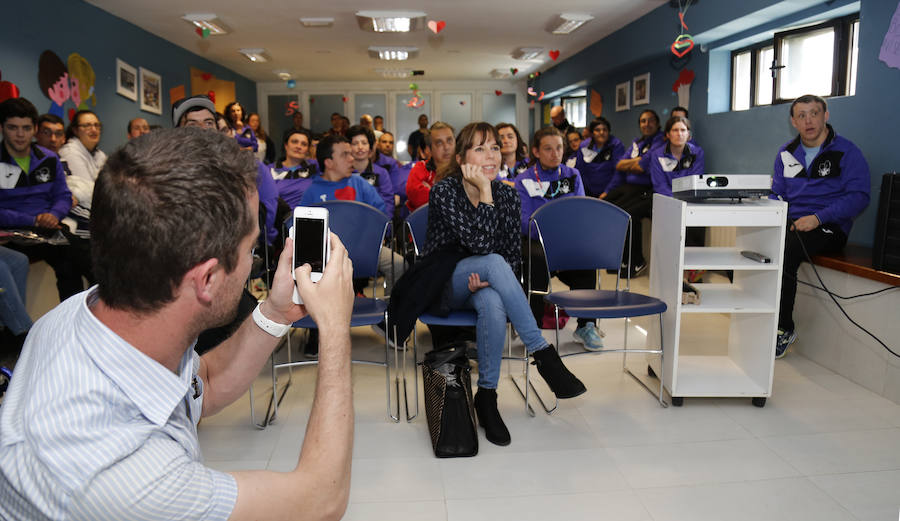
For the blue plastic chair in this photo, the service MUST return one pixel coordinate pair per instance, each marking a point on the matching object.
(562, 225)
(361, 228)
(417, 228)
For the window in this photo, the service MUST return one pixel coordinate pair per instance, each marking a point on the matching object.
(576, 111)
(819, 59)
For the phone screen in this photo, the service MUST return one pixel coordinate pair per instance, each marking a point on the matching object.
(309, 243)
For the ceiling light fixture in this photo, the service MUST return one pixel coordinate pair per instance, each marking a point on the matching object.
(527, 53)
(317, 22)
(284, 75)
(207, 21)
(393, 53)
(498, 74)
(568, 22)
(395, 73)
(390, 21)
(255, 55)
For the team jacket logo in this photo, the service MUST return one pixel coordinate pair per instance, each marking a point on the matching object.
(826, 164)
(824, 168)
(370, 177)
(9, 175)
(549, 189)
(42, 175)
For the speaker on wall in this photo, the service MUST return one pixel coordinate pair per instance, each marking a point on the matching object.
(886, 251)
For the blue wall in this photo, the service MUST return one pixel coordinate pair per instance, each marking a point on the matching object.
(745, 141)
(67, 26)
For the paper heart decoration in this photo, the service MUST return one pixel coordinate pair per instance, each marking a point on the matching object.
(206, 76)
(202, 32)
(531, 91)
(436, 27)
(211, 95)
(532, 104)
(514, 71)
(346, 193)
(541, 96)
(554, 54)
(498, 92)
(413, 86)
(344, 99)
(71, 114)
(682, 45)
(462, 102)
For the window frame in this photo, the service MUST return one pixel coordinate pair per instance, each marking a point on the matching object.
(841, 56)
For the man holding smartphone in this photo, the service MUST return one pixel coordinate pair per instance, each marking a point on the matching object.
(110, 430)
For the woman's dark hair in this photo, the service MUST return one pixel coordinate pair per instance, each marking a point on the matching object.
(164, 204)
(232, 124)
(521, 146)
(600, 120)
(466, 140)
(76, 120)
(675, 119)
(359, 130)
(649, 111)
(260, 132)
(303, 131)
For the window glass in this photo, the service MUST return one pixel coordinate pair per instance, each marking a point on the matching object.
(808, 60)
(576, 111)
(740, 81)
(764, 75)
(854, 56)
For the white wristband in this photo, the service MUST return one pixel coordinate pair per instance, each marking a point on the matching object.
(269, 326)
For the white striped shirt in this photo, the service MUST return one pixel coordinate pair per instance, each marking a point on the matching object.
(92, 429)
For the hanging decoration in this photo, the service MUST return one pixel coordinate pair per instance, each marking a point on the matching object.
(682, 87)
(498, 92)
(513, 71)
(211, 95)
(436, 26)
(7, 90)
(684, 42)
(202, 32)
(554, 54)
(291, 84)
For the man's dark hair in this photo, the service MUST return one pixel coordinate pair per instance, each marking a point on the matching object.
(325, 149)
(292, 131)
(50, 118)
(388, 132)
(333, 114)
(359, 130)
(18, 108)
(521, 146)
(163, 204)
(680, 108)
(649, 111)
(600, 120)
(809, 98)
(76, 120)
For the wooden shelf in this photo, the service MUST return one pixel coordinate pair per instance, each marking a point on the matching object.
(714, 376)
(726, 298)
(721, 258)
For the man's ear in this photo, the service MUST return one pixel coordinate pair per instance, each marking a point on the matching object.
(204, 279)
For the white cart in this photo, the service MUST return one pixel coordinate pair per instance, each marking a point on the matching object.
(724, 346)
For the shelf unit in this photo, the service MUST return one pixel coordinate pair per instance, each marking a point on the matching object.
(744, 312)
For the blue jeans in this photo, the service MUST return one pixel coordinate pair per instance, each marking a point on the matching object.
(503, 299)
(13, 282)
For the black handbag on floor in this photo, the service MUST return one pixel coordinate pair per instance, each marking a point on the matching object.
(449, 408)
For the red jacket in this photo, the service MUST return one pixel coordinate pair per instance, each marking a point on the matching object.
(419, 183)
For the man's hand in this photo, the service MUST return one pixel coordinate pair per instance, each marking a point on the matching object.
(806, 223)
(46, 220)
(475, 283)
(329, 301)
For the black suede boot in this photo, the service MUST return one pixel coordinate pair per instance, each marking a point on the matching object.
(562, 382)
(489, 417)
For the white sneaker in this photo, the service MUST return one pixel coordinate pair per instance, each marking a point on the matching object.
(590, 337)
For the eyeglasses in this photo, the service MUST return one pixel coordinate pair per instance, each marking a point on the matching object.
(54, 133)
(97, 126)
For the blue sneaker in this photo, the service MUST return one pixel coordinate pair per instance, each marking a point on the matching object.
(784, 340)
(589, 336)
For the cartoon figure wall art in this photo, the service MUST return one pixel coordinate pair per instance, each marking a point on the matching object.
(82, 80)
(53, 78)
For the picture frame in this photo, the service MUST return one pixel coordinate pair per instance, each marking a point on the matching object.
(641, 89)
(622, 96)
(126, 80)
(151, 91)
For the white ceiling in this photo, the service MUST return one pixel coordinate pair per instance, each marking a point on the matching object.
(479, 35)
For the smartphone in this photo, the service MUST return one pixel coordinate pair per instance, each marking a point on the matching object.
(311, 244)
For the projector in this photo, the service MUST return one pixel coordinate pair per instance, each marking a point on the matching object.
(705, 186)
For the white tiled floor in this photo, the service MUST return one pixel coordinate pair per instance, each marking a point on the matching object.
(823, 448)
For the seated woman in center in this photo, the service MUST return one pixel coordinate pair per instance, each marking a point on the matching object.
(472, 212)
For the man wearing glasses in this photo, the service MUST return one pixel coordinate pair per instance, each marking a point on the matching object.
(34, 196)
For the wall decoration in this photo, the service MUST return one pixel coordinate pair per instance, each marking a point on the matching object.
(7, 89)
(596, 104)
(81, 80)
(203, 82)
(641, 89)
(622, 92)
(554, 54)
(126, 80)
(684, 42)
(53, 78)
(151, 91)
(890, 46)
(436, 26)
(682, 87)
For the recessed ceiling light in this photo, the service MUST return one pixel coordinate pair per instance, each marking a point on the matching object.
(395, 73)
(207, 21)
(317, 22)
(390, 21)
(284, 75)
(568, 22)
(255, 55)
(393, 53)
(497, 74)
(527, 53)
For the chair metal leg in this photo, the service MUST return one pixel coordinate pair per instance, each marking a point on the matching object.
(415, 365)
(640, 381)
(387, 376)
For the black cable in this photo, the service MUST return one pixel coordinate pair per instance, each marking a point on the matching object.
(826, 290)
(830, 294)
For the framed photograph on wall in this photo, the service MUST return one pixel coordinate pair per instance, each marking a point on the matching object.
(151, 91)
(126, 80)
(642, 89)
(622, 96)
